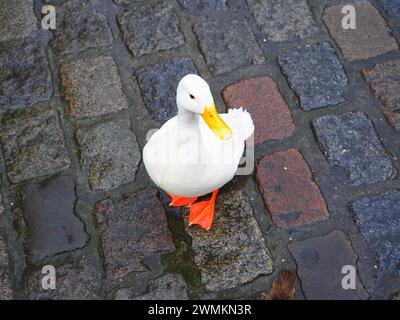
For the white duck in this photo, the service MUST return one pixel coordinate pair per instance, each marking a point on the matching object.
(198, 151)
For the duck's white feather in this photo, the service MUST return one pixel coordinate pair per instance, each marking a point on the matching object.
(196, 163)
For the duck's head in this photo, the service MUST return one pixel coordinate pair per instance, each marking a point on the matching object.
(194, 95)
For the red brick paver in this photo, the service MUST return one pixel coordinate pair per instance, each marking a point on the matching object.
(289, 191)
(384, 81)
(261, 97)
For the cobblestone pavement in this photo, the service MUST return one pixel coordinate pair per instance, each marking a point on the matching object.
(77, 102)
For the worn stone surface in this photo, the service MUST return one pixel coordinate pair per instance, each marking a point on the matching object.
(92, 87)
(385, 85)
(6, 292)
(289, 190)
(110, 153)
(158, 84)
(150, 28)
(228, 45)
(52, 225)
(349, 142)
(392, 7)
(320, 261)
(233, 252)
(74, 281)
(198, 6)
(260, 96)
(24, 76)
(257, 54)
(283, 20)
(17, 19)
(371, 37)
(34, 146)
(1, 205)
(168, 287)
(132, 228)
(378, 218)
(315, 74)
(80, 26)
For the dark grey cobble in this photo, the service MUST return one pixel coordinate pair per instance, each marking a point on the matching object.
(52, 225)
(320, 261)
(24, 76)
(233, 252)
(392, 7)
(101, 47)
(150, 28)
(17, 19)
(74, 281)
(110, 153)
(168, 287)
(283, 20)
(228, 45)
(349, 141)
(315, 74)
(132, 228)
(199, 6)
(158, 85)
(34, 146)
(1, 205)
(378, 219)
(80, 26)
(6, 292)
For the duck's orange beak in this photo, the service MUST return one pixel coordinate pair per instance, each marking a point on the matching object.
(216, 124)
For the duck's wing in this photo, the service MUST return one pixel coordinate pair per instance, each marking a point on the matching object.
(241, 122)
(164, 130)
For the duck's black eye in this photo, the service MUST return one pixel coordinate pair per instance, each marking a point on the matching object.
(191, 96)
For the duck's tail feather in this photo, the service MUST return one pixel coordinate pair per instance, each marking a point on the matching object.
(245, 121)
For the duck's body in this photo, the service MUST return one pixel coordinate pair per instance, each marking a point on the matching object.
(210, 162)
(198, 151)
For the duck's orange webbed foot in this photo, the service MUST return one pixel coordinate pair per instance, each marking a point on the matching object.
(202, 213)
(177, 201)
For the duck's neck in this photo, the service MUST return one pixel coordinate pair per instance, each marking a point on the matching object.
(188, 124)
(187, 118)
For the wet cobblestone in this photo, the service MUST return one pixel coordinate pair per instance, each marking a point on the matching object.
(132, 228)
(283, 20)
(378, 219)
(315, 74)
(6, 292)
(289, 190)
(325, 257)
(168, 287)
(350, 141)
(392, 7)
(18, 19)
(150, 29)
(233, 252)
(34, 146)
(385, 85)
(80, 26)
(228, 45)
(92, 87)
(371, 37)
(75, 281)
(199, 6)
(110, 153)
(158, 81)
(260, 96)
(52, 224)
(76, 104)
(24, 77)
